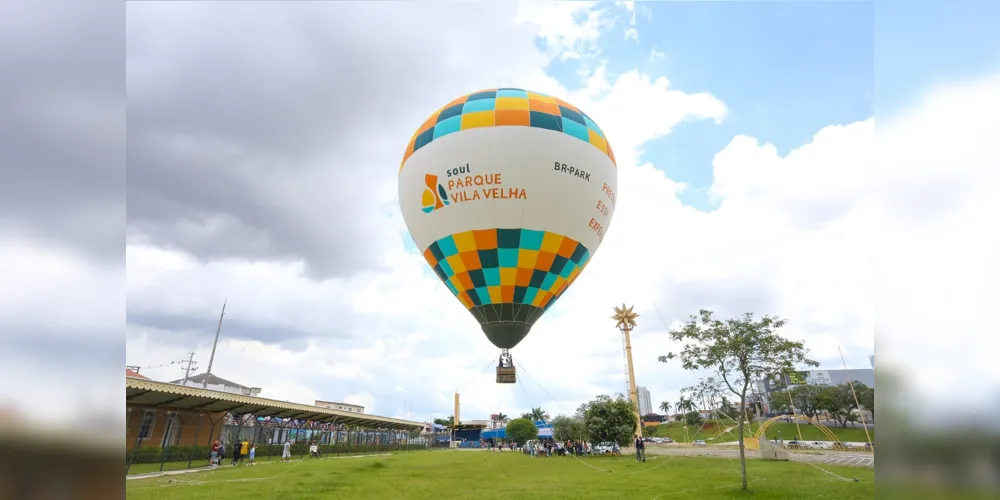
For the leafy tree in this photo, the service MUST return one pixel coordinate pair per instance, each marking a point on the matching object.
(564, 428)
(608, 419)
(705, 393)
(852, 418)
(502, 418)
(838, 401)
(685, 404)
(739, 350)
(539, 414)
(805, 399)
(665, 407)
(526, 415)
(521, 430)
(692, 418)
(447, 422)
(866, 395)
(678, 417)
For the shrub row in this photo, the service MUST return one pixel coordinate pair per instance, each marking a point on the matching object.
(152, 454)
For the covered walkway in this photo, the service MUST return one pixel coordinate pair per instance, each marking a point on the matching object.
(174, 423)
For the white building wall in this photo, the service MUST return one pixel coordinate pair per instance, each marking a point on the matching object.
(645, 403)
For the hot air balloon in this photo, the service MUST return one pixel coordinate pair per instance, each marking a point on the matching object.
(508, 194)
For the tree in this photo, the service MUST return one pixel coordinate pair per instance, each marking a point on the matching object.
(805, 399)
(608, 419)
(692, 418)
(447, 422)
(705, 394)
(526, 415)
(866, 396)
(685, 404)
(665, 408)
(739, 350)
(564, 428)
(521, 430)
(502, 418)
(852, 418)
(539, 414)
(838, 401)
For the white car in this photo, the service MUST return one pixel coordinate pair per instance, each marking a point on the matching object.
(604, 448)
(699, 442)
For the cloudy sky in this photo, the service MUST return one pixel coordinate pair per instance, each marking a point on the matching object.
(263, 146)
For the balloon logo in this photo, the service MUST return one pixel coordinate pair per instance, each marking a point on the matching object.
(434, 196)
(508, 194)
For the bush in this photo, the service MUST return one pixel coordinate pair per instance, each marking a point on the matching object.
(153, 454)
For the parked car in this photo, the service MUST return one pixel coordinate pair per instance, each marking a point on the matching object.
(606, 448)
(699, 442)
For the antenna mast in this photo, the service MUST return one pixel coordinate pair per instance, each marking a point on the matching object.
(211, 359)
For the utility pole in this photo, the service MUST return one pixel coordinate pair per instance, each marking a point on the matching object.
(190, 364)
(211, 359)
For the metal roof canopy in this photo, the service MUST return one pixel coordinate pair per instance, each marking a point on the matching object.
(143, 392)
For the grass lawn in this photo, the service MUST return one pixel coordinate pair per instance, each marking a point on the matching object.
(713, 431)
(451, 474)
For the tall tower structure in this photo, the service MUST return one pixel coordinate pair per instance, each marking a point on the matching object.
(645, 401)
(625, 318)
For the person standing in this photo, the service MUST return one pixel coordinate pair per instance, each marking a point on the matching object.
(640, 449)
(237, 446)
(214, 460)
(253, 453)
(286, 451)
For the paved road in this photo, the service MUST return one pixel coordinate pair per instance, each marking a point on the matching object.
(837, 458)
(856, 459)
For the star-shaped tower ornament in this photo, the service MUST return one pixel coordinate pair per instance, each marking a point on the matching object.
(625, 317)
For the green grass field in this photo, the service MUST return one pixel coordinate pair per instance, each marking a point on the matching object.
(714, 431)
(450, 474)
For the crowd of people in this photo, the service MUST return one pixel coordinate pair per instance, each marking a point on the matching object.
(245, 448)
(546, 447)
(240, 449)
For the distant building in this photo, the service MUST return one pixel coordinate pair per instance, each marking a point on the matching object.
(334, 405)
(645, 403)
(134, 373)
(217, 384)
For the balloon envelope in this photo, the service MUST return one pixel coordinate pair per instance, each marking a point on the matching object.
(508, 194)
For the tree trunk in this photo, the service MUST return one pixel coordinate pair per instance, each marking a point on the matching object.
(743, 457)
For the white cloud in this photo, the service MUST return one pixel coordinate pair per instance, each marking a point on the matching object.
(572, 30)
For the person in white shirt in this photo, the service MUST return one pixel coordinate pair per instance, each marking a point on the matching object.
(286, 452)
